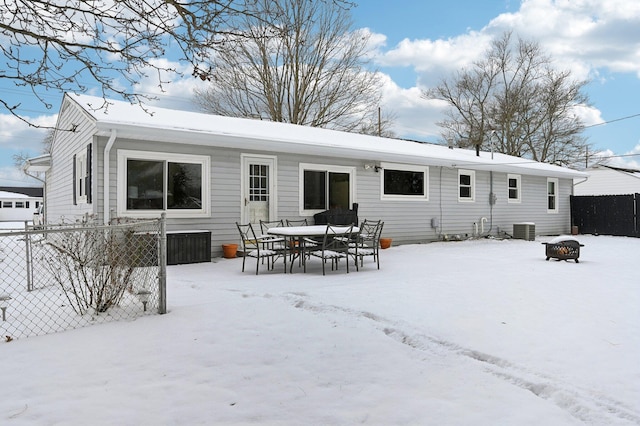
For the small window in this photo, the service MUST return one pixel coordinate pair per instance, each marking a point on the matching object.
(405, 182)
(82, 176)
(466, 185)
(325, 187)
(552, 195)
(19, 204)
(7, 204)
(513, 187)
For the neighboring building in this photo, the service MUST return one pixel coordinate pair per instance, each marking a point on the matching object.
(18, 207)
(608, 180)
(207, 172)
(31, 191)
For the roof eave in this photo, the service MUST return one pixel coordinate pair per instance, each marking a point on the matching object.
(234, 141)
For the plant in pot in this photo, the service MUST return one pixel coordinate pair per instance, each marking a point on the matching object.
(385, 243)
(229, 251)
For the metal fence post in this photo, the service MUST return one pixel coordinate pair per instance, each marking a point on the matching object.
(162, 263)
(29, 267)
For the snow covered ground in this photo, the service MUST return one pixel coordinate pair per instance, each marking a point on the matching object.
(481, 332)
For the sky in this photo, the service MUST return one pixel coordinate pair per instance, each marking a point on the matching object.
(416, 43)
(506, 340)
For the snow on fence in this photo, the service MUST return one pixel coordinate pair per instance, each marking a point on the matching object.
(61, 277)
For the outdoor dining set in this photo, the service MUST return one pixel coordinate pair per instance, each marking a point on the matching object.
(295, 242)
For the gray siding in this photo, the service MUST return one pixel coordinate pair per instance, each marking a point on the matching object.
(405, 221)
(59, 178)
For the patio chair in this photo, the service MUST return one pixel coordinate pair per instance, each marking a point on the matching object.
(297, 222)
(367, 242)
(299, 246)
(253, 246)
(332, 248)
(272, 242)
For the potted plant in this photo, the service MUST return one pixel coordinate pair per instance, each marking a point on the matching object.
(229, 251)
(385, 243)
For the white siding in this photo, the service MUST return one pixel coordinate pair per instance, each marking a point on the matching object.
(608, 182)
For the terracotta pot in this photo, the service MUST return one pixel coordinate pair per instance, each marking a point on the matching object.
(229, 250)
(385, 243)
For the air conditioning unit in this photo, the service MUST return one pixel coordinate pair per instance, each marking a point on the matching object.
(524, 231)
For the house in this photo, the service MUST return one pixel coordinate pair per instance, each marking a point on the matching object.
(207, 172)
(31, 191)
(19, 206)
(609, 180)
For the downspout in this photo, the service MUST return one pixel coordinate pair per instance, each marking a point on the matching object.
(105, 178)
(492, 202)
(44, 189)
(573, 187)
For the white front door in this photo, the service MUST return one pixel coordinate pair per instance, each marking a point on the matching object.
(258, 188)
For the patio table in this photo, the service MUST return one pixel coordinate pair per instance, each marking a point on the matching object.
(298, 233)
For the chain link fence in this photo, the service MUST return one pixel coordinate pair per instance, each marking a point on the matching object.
(61, 277)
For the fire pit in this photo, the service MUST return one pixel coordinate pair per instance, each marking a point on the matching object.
(563, 247)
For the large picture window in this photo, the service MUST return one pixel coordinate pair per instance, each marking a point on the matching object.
(325, 187)
(401, 181)
(152, 182)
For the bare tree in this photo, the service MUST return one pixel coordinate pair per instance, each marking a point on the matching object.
(75, 45)
(307, 66)
(515, 102)
(21, 157)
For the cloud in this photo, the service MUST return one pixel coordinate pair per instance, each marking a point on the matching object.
(416, 117)
(17, 136)
(629, 159)
(177, 89)
(583, 36)
(591, 38)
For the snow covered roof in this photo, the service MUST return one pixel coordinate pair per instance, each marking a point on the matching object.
(167, 125)
(12, 195)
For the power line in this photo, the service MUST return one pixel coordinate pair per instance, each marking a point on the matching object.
(612, 121)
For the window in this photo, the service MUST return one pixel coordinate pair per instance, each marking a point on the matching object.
(151, 183)
(513, 187)
(82, 177)
(466, 185)
(325, 187)
(19, 204)
(7, 204)
(405, 182)
(552, 195)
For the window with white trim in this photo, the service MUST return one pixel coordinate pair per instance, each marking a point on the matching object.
(80, 172)
(323, 187)
(514, 188)
(552, 195)
(466, 185)
(407, 182)
(151, 182)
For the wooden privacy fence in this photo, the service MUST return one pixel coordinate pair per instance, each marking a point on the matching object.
(606, 214)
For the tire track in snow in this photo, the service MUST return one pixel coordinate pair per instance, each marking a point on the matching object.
(590, 407)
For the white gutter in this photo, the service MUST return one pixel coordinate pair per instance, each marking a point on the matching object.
(105, 178)
(363, 152)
